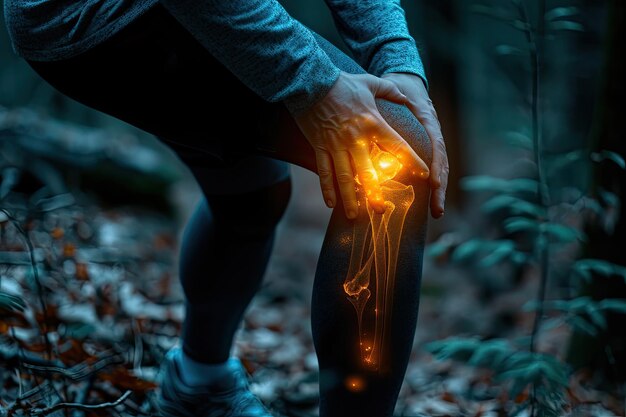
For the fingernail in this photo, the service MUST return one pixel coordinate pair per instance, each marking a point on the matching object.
(330, 203)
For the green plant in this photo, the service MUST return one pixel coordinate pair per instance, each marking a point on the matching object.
(535, 226)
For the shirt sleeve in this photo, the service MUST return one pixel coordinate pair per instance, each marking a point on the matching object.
(259, 42)
(376, 33)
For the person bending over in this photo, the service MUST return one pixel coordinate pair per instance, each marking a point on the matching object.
(239, 90)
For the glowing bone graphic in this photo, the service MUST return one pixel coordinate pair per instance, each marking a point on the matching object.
(374, 257)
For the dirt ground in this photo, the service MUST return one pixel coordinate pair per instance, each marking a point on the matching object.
(114, 307)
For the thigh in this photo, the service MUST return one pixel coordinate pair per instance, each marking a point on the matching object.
(154, 75)
(238, 175)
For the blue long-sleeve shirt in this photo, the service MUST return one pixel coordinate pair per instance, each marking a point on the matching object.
(267, 49)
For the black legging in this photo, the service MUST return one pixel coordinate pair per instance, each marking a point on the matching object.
(155, 76)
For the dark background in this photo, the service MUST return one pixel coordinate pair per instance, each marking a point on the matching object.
(481, 94)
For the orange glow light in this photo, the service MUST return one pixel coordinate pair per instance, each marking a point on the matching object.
(355, 383)
(373, 260)
(387, 166)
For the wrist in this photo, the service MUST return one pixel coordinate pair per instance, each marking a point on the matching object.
(407, 76)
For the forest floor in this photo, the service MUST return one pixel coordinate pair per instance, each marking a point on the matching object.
(113, 307)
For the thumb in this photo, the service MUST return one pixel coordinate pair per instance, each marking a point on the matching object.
(386, 89)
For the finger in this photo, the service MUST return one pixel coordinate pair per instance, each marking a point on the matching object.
(386, 89)
(438, 193)
(345, 180)
(367, 175)
(393, 143)
(440, 167)
(325, 173)
(427, 116)
(440, 161)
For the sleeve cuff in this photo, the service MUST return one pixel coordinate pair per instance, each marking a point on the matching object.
(398, 55)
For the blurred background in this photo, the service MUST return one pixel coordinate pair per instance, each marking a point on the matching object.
(529, 96)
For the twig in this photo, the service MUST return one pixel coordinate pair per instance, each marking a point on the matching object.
(33, 263)
(38, 392)
(52, 409)
(131, 407)
(81, 370)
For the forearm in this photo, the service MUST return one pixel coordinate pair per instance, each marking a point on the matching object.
(376, 32)
(257, 40)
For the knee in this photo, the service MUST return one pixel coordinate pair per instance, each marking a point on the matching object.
(398, 116)
(253, 215)
(406, 124)
(401, 119)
